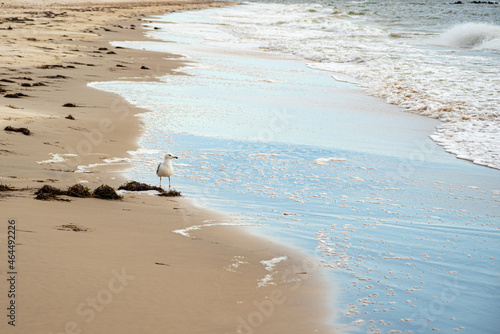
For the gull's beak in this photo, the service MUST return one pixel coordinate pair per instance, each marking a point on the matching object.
(176, 158)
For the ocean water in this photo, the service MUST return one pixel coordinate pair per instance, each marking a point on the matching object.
(316, 122)
(430, 57)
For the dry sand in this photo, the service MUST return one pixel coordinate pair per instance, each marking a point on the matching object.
(97, 266)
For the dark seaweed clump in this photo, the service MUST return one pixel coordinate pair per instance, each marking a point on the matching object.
(48, 193)
(14, 95)
(4, 187)
(79, 190)
(138, 186)
(50, 190)
(49, 197)
(52, 193)
(106, 192)
(72, 227)
(170, 193)
(44, 67)
(24, 131)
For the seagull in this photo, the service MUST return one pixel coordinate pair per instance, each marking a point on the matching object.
(165, 168)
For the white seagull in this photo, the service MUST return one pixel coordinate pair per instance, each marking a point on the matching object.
(165, 168)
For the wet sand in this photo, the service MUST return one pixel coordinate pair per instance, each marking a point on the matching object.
(100, 266)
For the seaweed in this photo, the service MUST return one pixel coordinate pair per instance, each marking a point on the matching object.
(106, 192)
(14, 95)
(48, 193)
(58, 76)
(47, 189)
(4, 187)
(22, 78)
(79, 190)
(72, 227)
(170, 193)
(24, 131)
(50, 197)
(45, 67)
(138, 186)
(69, 105)
(70, 117)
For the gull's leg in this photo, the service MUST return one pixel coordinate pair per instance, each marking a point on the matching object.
(160, 181)
(169, 182)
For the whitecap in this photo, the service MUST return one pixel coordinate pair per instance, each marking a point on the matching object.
(470, 36)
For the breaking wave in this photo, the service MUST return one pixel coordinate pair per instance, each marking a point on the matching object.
(476, 36)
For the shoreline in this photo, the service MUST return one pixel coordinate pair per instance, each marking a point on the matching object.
(73, 275)
(66, 82)
(386, 205)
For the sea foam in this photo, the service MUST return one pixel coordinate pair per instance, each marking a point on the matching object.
(470, 36)
(457, 83)
(477, 36)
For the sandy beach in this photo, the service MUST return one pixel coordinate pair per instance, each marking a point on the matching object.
(98, 266)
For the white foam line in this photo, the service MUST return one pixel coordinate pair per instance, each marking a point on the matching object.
(56, 157)
(267, 280)
(271, 264)
(144, 192)
(84, 169)
(185, 231)
(143, 151)
(323, 161)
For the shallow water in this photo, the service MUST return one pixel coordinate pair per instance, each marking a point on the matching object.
(408, 232)
(427, 56)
